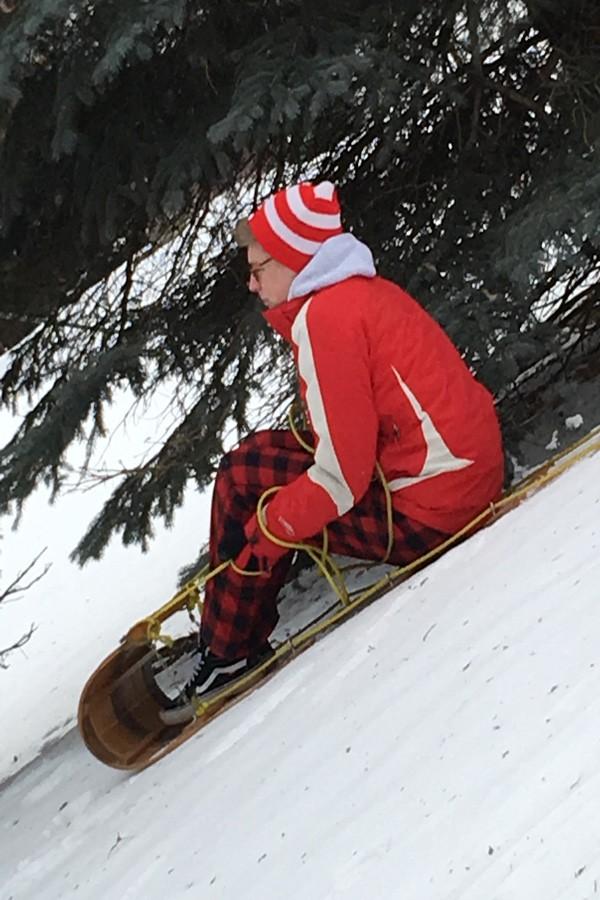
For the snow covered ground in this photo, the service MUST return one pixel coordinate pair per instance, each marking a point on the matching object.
(79, 614)
(444, 743)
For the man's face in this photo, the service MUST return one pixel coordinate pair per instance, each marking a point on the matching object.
(268, 278)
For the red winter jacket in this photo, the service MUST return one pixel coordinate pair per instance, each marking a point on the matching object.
(383, 382)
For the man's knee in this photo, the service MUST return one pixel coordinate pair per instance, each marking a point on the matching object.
(252, 443)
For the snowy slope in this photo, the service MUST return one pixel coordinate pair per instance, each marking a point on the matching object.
(444, 743)
(80, 614)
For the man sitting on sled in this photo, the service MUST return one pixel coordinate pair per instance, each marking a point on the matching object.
(381, 383)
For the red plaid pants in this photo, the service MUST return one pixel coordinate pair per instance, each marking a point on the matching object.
(240, 611)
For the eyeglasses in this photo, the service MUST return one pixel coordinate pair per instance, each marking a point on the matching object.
(254, 271)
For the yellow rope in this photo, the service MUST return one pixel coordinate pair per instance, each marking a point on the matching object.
(305, 446)
(389, 510)
(188, 596)
(326, 565)
(550, 471)
(386, 489)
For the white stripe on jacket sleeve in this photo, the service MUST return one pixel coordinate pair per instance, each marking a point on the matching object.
(326, 471)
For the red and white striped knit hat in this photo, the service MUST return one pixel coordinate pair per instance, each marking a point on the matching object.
(293, 223)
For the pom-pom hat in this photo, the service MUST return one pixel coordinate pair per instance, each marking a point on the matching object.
(295, 222)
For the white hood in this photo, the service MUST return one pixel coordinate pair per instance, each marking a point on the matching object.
(338, 258)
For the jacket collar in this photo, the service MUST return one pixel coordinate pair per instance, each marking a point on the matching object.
(338, 258)
(281, 318)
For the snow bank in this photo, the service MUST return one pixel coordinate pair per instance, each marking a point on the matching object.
(441, 744)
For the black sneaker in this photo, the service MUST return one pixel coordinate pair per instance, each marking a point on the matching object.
(210, 675)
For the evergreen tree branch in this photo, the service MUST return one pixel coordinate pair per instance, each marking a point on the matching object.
(16, 587)
(17, 645)
(463, 137)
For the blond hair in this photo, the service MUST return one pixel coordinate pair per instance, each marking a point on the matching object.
(243, 234)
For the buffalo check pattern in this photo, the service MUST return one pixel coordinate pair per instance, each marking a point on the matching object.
(240, 611)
